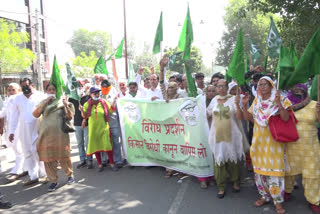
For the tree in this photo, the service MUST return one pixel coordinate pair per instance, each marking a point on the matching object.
(13, 56)
(255, 26)
(86, 41)
(145, 59)
(299, 19)
(195, 61)
(83, 65)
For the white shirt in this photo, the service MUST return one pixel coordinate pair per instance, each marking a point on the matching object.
(154, 93)
(22, 108)
(138, 95)
(183, 93)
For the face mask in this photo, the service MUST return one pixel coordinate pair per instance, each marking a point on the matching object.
(105, 91)
(300, 96)
(95, 98)
(52, 95)
(26, 89)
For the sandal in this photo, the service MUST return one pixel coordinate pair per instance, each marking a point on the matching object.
(220, 194)
(168, 174)
(279, 209)
(203, 185)
(260, 202)
(235, 189)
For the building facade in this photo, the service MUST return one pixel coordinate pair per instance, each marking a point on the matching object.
(23, 13)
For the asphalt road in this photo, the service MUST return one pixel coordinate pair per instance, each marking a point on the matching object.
(134, 191)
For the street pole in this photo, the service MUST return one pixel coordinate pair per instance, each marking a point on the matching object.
(39, 85)
(125, 38)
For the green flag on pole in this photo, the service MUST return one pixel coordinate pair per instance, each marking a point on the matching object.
(274, 41)
(285, 66)
(158, 38)
(265, 64)
(308, 64)
(100, 67)
(119, 49)
(131, 74)
(186, 37)
(192, 89)
(236, 67)
(56, 79)
(73, 86)
(254, 51)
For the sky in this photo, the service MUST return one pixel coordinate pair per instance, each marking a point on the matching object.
(65, 16)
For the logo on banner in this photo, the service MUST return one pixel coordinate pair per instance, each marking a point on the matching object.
(189, 112)
(132, 112)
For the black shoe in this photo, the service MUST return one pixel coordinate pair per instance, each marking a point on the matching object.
(5, 205)
(100, 169)
(119, 165)
(82, 164)
(70, 180)
(53, 187)
(115, 168)
(90, 165)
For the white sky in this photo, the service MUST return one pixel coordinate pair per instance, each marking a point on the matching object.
(65, 16)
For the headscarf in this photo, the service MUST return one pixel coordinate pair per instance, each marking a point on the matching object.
(263, 109)
(294, 99)
(299, 102)
(231, 85)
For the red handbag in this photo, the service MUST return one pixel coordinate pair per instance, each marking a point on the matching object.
(284, 131)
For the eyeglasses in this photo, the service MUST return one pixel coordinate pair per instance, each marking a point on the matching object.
(263, 85)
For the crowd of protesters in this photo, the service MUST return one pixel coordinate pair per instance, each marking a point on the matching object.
(237, 116)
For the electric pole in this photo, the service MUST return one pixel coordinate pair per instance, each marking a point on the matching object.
(125, 38)
(39, 73)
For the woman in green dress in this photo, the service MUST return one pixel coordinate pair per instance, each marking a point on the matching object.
(97, 110)
(53, 145)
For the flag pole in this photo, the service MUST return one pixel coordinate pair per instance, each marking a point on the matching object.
(278, 79)
(125, 38)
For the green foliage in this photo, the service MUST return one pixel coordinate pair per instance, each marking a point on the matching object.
(299, 18)
(83, 65)
(146, 59)
(13, 56)
(195, 61)
(86, 41)
(255, 25)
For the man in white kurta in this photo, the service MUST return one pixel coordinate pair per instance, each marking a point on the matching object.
(17, 170)
(23, 121)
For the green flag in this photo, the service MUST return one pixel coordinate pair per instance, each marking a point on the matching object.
(56, 79)
(228, 77)
(131, 74)
(192, 89)
(100, 67)
(274, 41)
(73, 86)
(158, 38)
(186, 37)
(254, 52)
(308, 64)
(236, 67)
(314, 89)
(118, 54)
(285, 66)
(172, 59)
(265, 64)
